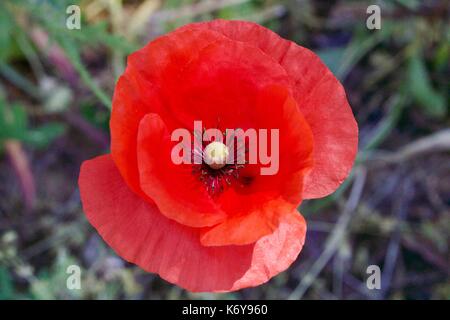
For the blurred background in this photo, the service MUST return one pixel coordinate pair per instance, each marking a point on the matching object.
(56, 86)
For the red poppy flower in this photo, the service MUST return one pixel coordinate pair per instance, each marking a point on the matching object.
(226, 227)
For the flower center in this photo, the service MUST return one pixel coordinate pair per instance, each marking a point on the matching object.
(215, 155)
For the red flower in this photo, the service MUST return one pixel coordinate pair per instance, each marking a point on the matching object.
(199, 226)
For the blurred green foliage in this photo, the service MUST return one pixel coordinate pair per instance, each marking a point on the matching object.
(14, 125)
(397, 83)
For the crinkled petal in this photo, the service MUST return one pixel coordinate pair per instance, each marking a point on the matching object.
(176, 191)
(221, 85)
(139, 233)
(133, 99)
(320, 97)
(254, 210)
(143, 89)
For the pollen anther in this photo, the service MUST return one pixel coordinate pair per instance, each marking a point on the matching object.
(216, 154)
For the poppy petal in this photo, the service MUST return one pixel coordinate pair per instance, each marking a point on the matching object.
(220, 86)
(124, 123)
(256, 209)
(140, 91)
(139, 233)
(248, 228)
(320, 97)
(175, 190)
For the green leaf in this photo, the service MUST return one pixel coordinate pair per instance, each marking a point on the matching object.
(442, 56)
(7, 27)
(410, 4)
(73, 54)
(45, 134)
(6, 285)
(13, 121)
(14, 125)
(332, 58)
(363, 43)
(420, 88)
